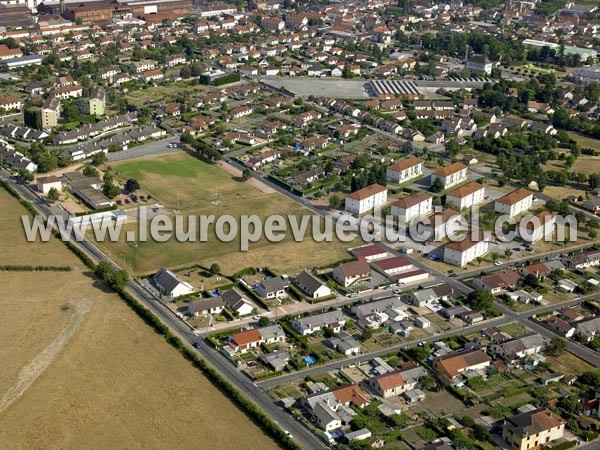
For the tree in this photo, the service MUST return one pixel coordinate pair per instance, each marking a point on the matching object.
(335, 200)
(90, 172)
(367, 333)
(111, 190)
(264, 321)
(593, 234)
(246, 174)
(480, 299)
(556, 346)
(427, 382)
(132, 185)
(494, 256)
(438, 185)
(53, 194)
(25, 175)
(99, 158)
(508, 253)
(215, 268)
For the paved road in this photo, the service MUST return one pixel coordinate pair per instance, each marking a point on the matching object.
(301, 434)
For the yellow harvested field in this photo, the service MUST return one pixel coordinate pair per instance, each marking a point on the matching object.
(81, 370)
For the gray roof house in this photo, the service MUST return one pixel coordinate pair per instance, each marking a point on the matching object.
(522, 347)
(310, 324)
(344, 343)
(311, 285)
(170, 285)
(237, 303)
(588, 329)
(271, 287)
(277, 360)
(204, 306)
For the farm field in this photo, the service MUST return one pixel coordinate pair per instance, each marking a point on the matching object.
(83, 371)
(203, 189)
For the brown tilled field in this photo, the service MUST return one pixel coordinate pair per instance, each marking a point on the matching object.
(81, 370)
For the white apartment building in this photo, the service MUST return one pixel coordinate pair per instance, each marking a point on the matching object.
(366, 199)
(463, 252)
(465, 196)
(415, 205)
(404, 170)
(450, 175)
(537, 227)
(515, 203)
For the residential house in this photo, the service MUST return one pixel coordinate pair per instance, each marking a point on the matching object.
(533, 429)
(397, 382)
(364, 200)
(558, 325)
(352, 273)
(498, 282)
(237, 303)
(169, 285)
(514, 349)
(271, 287)
(206, 306)
(450, 367)
(450, 175)
(344, 343)
(311, 324)
(412, 207)
(588, 329)
(465, 196)
(585, 259)
(404, 170)
(311, 286)
(244, 341)
(514, 203)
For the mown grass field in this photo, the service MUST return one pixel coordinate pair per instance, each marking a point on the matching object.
(81, 370)
(204, 189)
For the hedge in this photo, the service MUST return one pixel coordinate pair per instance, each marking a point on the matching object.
(13, 268)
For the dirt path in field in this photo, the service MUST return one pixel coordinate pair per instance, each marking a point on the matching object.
(42, 360)
(253, 181)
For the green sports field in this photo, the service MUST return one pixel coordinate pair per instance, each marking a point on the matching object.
(204, 189)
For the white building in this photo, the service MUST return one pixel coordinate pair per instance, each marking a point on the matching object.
(515, 203)
(450, 175)
(404, 170)
(366, 199)
(415, 205)
(533, 228)
(169, 285)
(463, 252)
(44, 184)
(465, 196)
(479, 64)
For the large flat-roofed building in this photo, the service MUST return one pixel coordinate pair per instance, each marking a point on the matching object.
(88, 189)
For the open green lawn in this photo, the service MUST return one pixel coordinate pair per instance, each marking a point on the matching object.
(204, 189)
